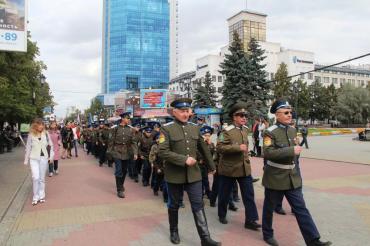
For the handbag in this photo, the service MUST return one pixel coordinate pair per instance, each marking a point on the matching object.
(48, 147)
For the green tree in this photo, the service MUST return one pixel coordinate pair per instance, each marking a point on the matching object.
(299, 97)
(96, 108)
(318, 102)
(22, 96)
(332, 101)
(205, 94)
(245, 79)
(282, 83)
(353, 105)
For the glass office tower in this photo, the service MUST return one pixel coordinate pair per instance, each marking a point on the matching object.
(135, 45)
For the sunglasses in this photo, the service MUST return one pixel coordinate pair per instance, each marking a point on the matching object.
(241, 115)
(286, 113)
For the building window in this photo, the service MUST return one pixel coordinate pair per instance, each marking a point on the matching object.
(334, 80)
(219, 78)
(272, 75)
(302, 76)
(310, 76)
(219, 89)
(214, 78)
(326, 80)
(318, 79)
(342, 81)
(132, 82)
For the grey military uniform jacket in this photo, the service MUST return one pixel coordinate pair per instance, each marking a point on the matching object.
(177, 142)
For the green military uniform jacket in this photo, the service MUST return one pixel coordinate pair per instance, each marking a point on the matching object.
(145, 144)
(232, 161)
(123, 145)
(103, 136)
(278, 148)
(177, 142)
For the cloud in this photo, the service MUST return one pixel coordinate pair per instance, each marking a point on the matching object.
(68, 33)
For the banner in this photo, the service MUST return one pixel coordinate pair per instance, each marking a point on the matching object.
(13, 25)
(153, 98)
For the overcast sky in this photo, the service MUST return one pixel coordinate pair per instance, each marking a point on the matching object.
(68, 33)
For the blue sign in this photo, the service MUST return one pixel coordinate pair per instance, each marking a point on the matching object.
(207, 111)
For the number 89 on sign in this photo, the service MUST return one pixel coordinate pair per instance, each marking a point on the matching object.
(9, 36)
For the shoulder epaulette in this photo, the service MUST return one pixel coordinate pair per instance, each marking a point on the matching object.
(130, 126)
(192, 123)
(230, 127)
(271, 128)
(114, 126)
(169, 123)
(246, 127)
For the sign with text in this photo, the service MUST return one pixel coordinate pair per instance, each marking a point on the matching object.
(153, 98)
(13, 25)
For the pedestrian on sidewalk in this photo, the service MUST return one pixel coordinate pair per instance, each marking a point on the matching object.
(67, 140)
(56, 139)
(75, 131)
(179, 143)
(39, 151)
(304, 132)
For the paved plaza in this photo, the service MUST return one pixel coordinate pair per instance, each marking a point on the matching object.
(82, 207)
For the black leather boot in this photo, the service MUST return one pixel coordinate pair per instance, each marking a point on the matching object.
(173, 219)
(202, 227)
(119, 186)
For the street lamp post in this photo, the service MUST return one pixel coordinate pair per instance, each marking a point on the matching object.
(296, 91)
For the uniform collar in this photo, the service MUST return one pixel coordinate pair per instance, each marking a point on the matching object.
(181, 123)
(282, 125)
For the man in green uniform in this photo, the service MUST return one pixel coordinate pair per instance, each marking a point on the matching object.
(179, 142)
(122, 146)
(145, 144)
(282, 178)
(103, 138)
(234, 165)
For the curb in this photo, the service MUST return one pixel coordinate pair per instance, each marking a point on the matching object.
(338, 132)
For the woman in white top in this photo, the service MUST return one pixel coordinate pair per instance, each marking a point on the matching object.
(38, 156)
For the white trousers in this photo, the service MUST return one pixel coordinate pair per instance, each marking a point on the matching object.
(38, 169)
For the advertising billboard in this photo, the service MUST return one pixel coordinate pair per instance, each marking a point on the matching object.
(13, 25)
(153, 98)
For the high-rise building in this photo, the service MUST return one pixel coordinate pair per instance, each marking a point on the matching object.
(248, 24)
(174, 38)
(136, 45)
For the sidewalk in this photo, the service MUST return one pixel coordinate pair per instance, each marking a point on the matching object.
(82, 209)
(12, 175)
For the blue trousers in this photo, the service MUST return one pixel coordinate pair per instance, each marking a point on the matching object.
(215, 189)
(176, 191)
(296, 201)
(120, 168)
(247, 192)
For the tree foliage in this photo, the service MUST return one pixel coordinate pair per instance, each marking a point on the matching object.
(245, 78)
(282, 83)
(22, 96)
(353, 105)
(205, 94)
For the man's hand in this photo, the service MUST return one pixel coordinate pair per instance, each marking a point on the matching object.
(135, 157)
(297, 150)
(244, 147)
(190, 161)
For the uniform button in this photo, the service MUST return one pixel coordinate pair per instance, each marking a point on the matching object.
(183, 126)
(187, 141)
(187, 148)
(186, 133)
